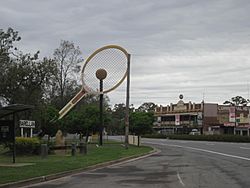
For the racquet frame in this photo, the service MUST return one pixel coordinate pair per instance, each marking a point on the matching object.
(85, 90)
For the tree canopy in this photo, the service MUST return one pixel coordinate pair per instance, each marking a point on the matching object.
(238, 100)
(67, 59)
(147, 107)
(141, 123)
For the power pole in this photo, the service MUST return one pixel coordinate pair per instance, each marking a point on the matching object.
(127, 104)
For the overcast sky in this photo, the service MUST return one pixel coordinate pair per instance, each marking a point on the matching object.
(198, 48)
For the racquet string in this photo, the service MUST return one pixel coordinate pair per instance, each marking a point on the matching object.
(113, 60)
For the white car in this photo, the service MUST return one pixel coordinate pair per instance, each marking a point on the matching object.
(195, 132)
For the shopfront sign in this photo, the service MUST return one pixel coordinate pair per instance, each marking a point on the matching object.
(177, 119)
(199, 118)
(232, 114)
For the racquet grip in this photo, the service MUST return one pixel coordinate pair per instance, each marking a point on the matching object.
(71, 104)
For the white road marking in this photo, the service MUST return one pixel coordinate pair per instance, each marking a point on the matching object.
(204, 150)
(209, 144)
(180, 180)
(244, 148)
(183, 142)
(92, 173)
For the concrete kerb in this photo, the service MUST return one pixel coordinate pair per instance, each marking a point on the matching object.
(76, 171)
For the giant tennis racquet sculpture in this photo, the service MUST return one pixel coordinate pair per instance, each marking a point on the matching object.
(111, 59)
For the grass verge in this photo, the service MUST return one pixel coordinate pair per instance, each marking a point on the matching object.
(60, 163)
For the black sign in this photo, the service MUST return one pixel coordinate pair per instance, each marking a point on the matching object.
(6, 131)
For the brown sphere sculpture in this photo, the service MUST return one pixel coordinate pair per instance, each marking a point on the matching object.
(101, 74)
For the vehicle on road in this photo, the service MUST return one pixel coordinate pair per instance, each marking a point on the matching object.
(195, 132)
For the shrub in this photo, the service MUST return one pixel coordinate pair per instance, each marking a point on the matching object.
(155, 135)
(27, 146)
(220, 138)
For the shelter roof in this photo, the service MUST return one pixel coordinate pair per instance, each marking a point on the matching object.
(14, 108)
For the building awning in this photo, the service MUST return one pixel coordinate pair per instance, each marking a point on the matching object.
(216, 127)
(167, 127)
(173, 114)
(243, 127)
(229, 124)
(14, 108)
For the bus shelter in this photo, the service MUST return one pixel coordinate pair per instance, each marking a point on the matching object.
(8, 124)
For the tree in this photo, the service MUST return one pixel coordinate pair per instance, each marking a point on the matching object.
(67, 60)
(23, 77)
(7, 40)
(48, 127)
(147, 107)
(141, 123)
(24, 80)
(117, 123)
(74, 122)
(238, 100)
(117, 119)
(84, 120)
(119, 111)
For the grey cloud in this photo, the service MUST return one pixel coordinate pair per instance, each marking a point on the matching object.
(190, 46)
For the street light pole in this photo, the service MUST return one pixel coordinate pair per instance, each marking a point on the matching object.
(101, 74)
(101, 112)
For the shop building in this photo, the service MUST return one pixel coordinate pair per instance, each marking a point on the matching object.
(207, 118)
(232, 120)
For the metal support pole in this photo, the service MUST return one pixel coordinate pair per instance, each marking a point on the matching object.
(127, 104)
(101, 113)
(101, 75)
(22, 132)
(235, 123)
(14, 138)
(31, 132)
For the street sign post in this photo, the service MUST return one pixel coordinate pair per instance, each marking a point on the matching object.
(27, 124)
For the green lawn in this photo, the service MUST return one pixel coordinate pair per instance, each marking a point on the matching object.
(59, 163)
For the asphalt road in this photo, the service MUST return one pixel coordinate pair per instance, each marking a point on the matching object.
(179, 164)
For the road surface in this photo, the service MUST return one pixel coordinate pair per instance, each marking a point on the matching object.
(179, 164)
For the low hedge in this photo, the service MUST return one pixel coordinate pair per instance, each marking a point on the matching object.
(220, 138)
(27, 145)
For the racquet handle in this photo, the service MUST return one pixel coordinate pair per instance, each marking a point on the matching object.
(71, 104)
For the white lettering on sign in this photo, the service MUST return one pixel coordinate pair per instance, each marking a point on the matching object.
(27, 124)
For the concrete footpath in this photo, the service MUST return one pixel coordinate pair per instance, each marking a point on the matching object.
(71, 172)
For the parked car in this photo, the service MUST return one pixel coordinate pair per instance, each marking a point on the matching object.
(195, 132)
